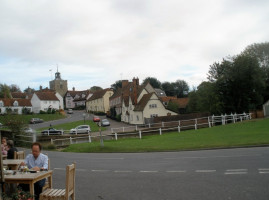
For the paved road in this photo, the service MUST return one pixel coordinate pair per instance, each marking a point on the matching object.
(76, 116)
(239, 174)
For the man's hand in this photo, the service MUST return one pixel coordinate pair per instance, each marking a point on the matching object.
(36, 168)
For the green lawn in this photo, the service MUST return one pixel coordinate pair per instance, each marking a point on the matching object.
(255, 132)
(70, 125)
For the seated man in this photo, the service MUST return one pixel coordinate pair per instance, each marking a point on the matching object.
(36, 161)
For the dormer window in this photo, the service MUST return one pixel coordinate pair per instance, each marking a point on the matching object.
(15, 103)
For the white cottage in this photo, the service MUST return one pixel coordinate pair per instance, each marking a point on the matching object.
(46, 100)
(17, 106)
(145, 105)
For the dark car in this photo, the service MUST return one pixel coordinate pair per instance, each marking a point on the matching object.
(96, 119)
(52, 131)
(105, 122)
(36, 120)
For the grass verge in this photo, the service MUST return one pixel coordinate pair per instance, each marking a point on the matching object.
(254, 132)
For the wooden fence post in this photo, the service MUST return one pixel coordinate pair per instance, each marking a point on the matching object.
(116, 136)
(140, 134)
(195, 124)
(209, 124)
(160, 131)
(178, 129)
(70, 140)
(90, 140)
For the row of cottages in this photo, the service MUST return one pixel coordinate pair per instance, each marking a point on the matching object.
(99, 101)
(75, 98)
(16, 106)
(138, 103)
(44, 99)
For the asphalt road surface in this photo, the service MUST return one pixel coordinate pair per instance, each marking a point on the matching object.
(77, 116)
(239, 174)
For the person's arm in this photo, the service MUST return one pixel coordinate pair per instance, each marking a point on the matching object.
(45, 163)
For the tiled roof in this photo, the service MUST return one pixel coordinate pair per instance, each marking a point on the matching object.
(167, 99)
(159, 92)
(21, 102)
(143, 102)
(182, 102)
(126, 100)
(18, 95)
(74, 93)
(99, 94)
(47, 96)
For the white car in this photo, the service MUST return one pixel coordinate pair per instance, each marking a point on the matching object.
(81, 129)
(29, 130)
(69, 111)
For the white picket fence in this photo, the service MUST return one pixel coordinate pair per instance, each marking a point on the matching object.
(139, 130)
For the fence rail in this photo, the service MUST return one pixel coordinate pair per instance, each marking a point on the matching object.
(139, 130)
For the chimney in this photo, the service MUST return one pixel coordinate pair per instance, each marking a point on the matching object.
(135, 85)
(40, 88)
(124, 83)
(73, 88)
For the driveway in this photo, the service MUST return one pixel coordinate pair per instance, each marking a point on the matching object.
(77, 116)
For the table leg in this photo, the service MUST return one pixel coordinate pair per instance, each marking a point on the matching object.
(50, 181)
(32, 189)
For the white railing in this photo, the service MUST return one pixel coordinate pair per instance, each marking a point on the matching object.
(138, 131)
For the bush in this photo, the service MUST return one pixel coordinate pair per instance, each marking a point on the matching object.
(50, 147)
(118, 118)
(42, 112)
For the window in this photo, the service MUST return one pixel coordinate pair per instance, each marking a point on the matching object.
(152, 105)
(137, 117)
(153, 115)
(15, 103)
(131, 118)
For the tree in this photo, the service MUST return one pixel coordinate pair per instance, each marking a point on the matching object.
(181, 88)
(168, 88)
(29, 90)
(261, 52)
(238, 83)
(116, 85)
(4, 91)
(95, 88)
(154, 82)
(14, 88)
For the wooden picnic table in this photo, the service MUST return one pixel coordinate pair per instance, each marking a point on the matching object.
(13, 164)
(29, 178)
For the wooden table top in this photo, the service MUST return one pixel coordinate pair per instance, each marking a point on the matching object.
(12, 162)
(28, 176)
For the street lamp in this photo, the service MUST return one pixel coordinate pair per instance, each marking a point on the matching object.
(84, 115)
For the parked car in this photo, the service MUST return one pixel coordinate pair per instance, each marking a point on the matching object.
(36, 120)
(96, 119)
(69, 111)
(52, 131)
(81, 129)
(28, 130)
(105, 122)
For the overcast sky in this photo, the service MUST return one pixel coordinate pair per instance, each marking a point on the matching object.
(98, 42)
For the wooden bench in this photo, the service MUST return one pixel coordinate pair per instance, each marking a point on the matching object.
(62, 194)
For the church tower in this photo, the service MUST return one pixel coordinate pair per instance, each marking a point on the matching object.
(58, 84)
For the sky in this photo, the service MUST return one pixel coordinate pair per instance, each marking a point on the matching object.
(96, 43)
